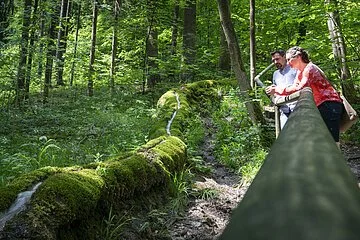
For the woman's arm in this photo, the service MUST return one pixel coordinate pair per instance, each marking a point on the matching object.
(301, 80)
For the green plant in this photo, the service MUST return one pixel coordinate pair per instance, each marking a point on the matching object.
(251, 167)
(45, 155)
(113, 225)
(180, 190)
(195, 132)
(205, 193)
(238, 144)
(155, 225)
(197, 164)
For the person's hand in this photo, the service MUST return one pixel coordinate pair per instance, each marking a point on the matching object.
(270, 90)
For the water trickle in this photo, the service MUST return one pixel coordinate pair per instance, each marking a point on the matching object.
(173, 115)
(17, 206)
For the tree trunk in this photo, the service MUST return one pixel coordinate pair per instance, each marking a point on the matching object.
(72, 71)
(6, 10)
(236, 61)
(61, 40)
(92, 49)
(224, 58)
(152, 45)
(174, 32)
(114, 44)
(152, 54)
(189, 39)
(31, 53)
(20, 87)
(50, 54)
(252, 44)
(339, 50)
(41, 45)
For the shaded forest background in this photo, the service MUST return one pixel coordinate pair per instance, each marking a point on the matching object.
(45, 44)
(70, 67)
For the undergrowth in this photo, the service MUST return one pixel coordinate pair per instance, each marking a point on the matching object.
(72, 130)
(238, 143)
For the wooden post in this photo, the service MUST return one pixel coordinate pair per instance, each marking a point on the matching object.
(277, 121)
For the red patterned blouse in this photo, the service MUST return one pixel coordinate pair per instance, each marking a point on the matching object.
(313, 77)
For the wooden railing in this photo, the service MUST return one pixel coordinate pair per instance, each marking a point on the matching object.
(304, 190)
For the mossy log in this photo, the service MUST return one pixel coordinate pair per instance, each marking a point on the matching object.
(72, 195)
(184, 100)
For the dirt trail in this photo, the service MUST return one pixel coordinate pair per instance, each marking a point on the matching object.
(205, 219)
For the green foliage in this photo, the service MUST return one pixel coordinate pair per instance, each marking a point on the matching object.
(237, 139)
(72, 130)
(180, 190)
(205, 193)
(44, 156)
(195, 132)
(113, 225)
(198, 166)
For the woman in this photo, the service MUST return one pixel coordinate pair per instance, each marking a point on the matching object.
(326, 98)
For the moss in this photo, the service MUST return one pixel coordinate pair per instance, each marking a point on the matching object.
(152, 143)
(207, 92)
(172, 152)
(63, 192)
(9, 193)
(201, 94)
(167, 105)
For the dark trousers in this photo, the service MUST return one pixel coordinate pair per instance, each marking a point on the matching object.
(331, 113)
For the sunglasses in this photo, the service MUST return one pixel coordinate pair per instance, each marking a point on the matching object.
(288, 59)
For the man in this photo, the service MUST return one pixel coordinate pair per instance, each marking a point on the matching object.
(283, 77)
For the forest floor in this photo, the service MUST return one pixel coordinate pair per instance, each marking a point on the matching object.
(205, 219)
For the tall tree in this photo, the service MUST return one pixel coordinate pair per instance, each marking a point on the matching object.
(174, 28)
(92, 49)
(114, 43)
(224, 56)
(42, 30)
(6, 10)
(304, 4)
(31, 47)
(50, 51)
(72, 70)
(62, 39)
(236, 61)
(152, 50)
(20, 87)
(189, 39)
(339, 49)
(252, 43)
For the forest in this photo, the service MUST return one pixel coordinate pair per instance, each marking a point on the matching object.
(88, 90)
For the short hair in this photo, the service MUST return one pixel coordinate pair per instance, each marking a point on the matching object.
(279, 51)
(299, 51)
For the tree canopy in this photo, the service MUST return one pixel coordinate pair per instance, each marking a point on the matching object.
(44, 44)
